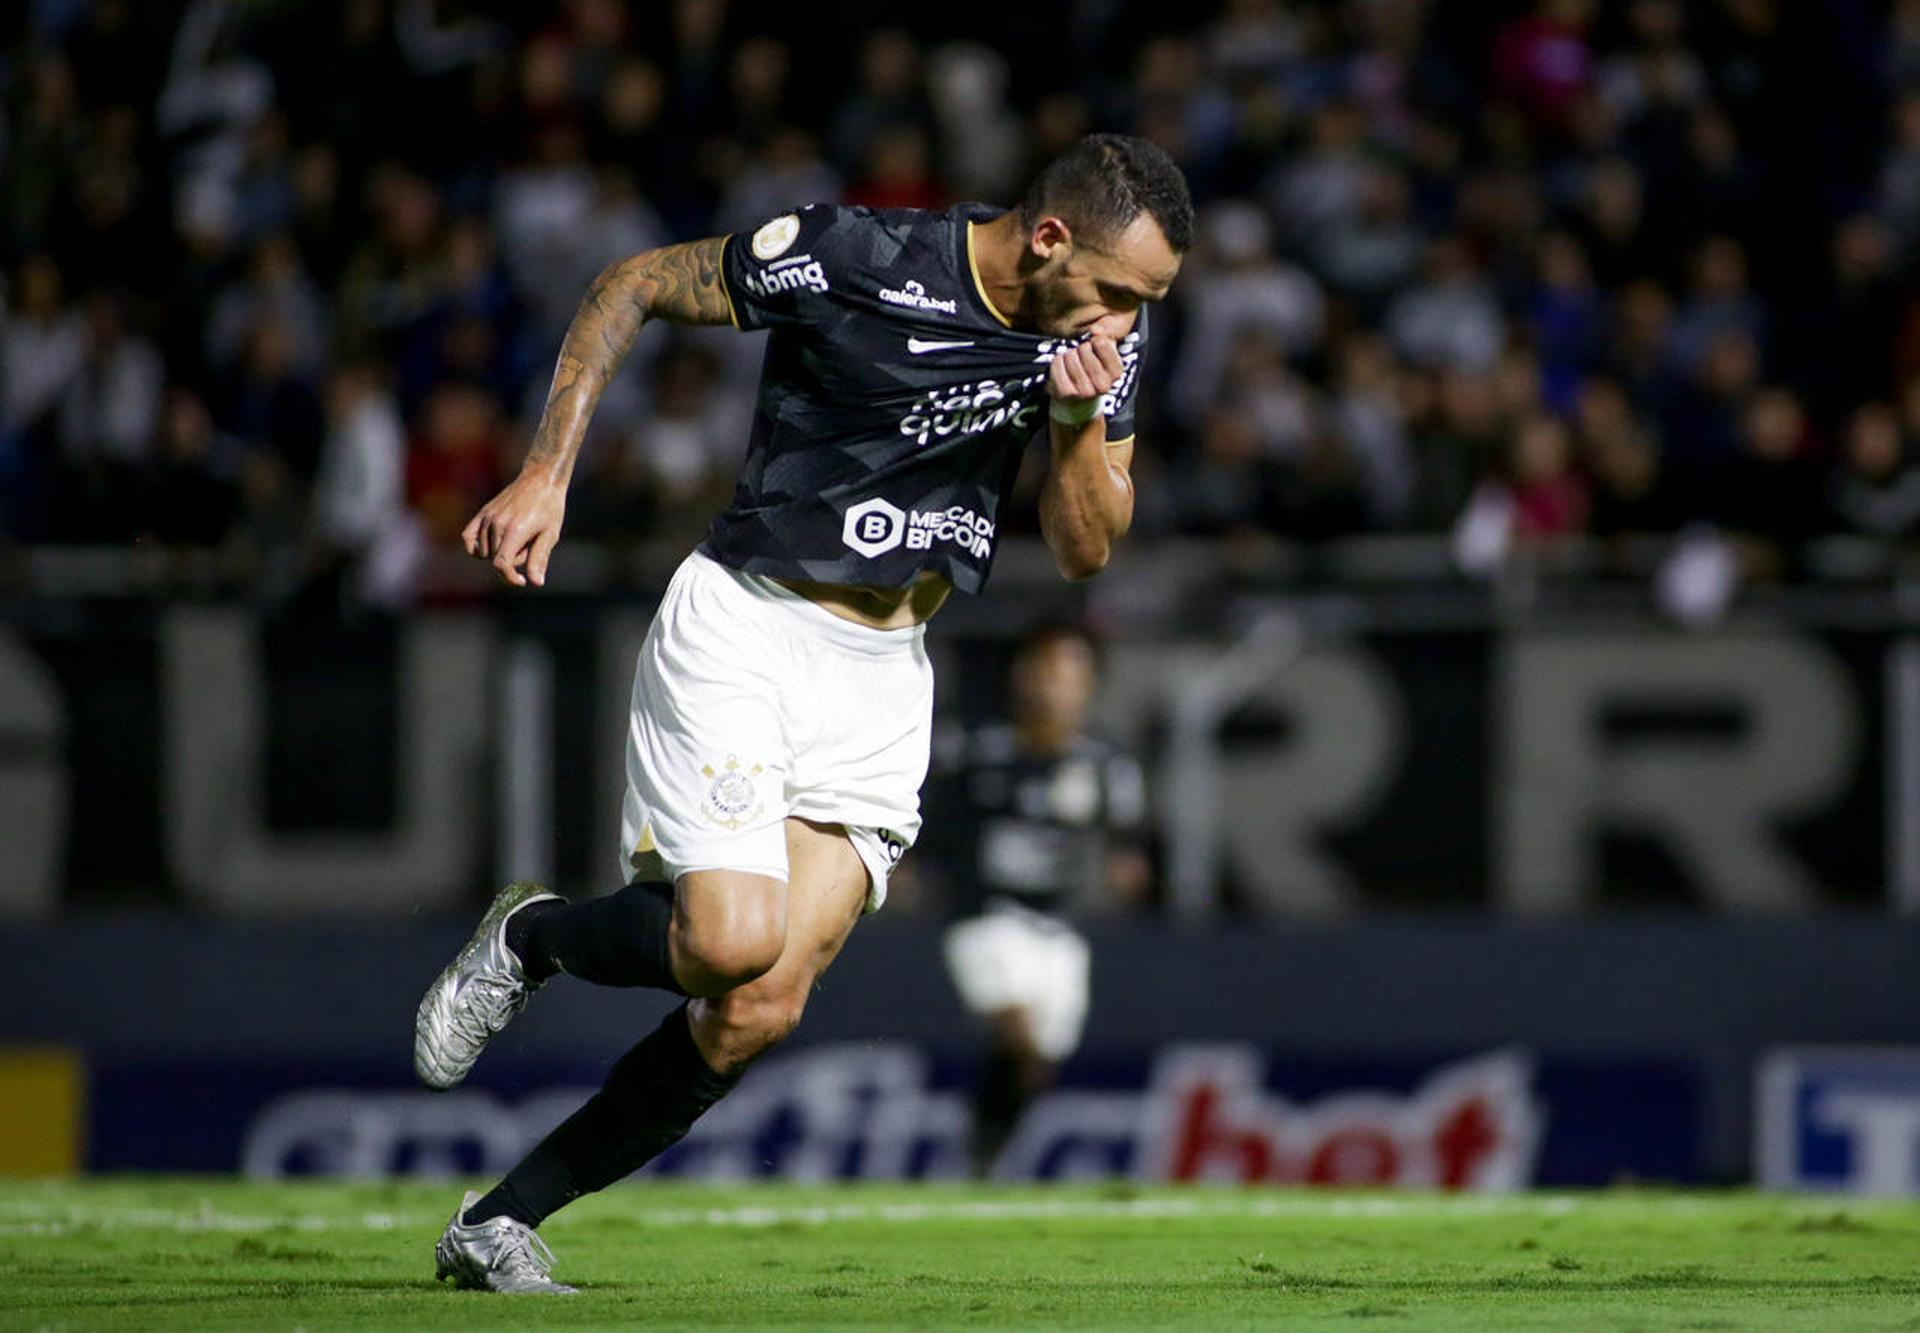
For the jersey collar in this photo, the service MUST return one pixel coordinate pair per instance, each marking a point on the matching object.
(979, 287)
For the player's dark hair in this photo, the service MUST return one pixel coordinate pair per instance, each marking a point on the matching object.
(1104, 182)
(1049, 631)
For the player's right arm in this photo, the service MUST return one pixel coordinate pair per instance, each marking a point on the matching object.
(516, 531)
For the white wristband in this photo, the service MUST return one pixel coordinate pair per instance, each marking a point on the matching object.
(1074, 411)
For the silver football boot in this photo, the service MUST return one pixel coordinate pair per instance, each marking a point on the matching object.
(499, 1254)
(481, 990)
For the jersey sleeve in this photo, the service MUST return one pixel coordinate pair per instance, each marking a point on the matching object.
(785, 270)
(1117, 406)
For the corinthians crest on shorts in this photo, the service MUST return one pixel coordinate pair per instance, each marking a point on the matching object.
(733, 796)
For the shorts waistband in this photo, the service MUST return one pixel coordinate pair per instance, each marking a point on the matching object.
(815, 621)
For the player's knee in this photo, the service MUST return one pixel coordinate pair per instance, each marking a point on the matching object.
(716, 963)
(725, 938)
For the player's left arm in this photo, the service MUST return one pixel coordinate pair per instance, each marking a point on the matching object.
(1086, 502)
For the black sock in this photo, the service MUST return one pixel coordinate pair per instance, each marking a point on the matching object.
(618, 940)
(997, 1106)
(649, 1101)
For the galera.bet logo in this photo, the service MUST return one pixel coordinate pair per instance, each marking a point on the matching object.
(874, 527)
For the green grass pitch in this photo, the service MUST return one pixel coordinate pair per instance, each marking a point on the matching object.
(217, 1254)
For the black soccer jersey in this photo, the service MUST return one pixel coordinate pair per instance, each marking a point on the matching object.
(1031, 829)
(895, 401)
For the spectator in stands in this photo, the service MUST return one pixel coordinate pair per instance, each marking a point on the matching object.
(1433, 226)
(1564, 316)
(196, 496)
(1456, 438)
(1543, 61)
(1240, 289)
(1232, 489)
(1630, 493)
(1322, 189)
(1612, 225)
(891, 96)
(1368, 414)
(1702, 419)
(1451, 320)
(1549, 494)
(455, 461)
(266, 401)
(1720, 301)
(1772, 498)
(109, 419)
(1841, 347)
(365, 538)
(388, 282)
(276, 288)
(42, 347)
(1877, 492)
(1374, 255)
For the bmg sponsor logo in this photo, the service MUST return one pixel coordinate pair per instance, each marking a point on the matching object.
(802, 272)
(1840, 1119)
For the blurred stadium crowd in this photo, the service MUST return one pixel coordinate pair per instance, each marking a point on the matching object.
(287, 276)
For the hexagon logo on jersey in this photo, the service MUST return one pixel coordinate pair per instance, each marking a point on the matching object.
(772, 240)
(874, 527)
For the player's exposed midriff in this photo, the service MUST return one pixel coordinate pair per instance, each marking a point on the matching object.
(877, 608)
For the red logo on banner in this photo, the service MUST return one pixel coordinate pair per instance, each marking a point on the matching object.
(1469, 1126)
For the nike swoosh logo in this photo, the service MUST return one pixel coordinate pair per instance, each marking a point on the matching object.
(920, 345)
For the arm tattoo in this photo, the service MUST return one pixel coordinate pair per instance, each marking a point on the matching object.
(678, 283)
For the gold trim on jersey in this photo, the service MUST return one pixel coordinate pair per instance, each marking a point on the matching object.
(726, 291)
(981, 287)
(1115, 444)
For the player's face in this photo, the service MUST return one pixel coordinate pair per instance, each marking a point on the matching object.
(1083, 288)
(1053, 682)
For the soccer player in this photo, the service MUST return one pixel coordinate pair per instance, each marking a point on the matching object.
(782, 703)
(1037, 816)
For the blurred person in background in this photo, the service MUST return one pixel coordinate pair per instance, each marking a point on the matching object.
(366, 539)
(1565, 317)
(42, 347)
(1231, 489)
(1536, 500)
(1368, 413)
(1543, 61)
(1720, 301)
(1369, 259)
(1037, 822)
(1451, 320)
(1631, 495)
(1877, 491)
(1239, 288)
(456, 460)
(1772, 497)
(275, 287)
(109, 419)
(196, 488)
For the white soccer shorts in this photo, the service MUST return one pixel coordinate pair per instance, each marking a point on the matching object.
(1010, 957)
(750, 704)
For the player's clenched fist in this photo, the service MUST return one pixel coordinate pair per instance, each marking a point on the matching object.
(517, 530)
(1086, 371)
